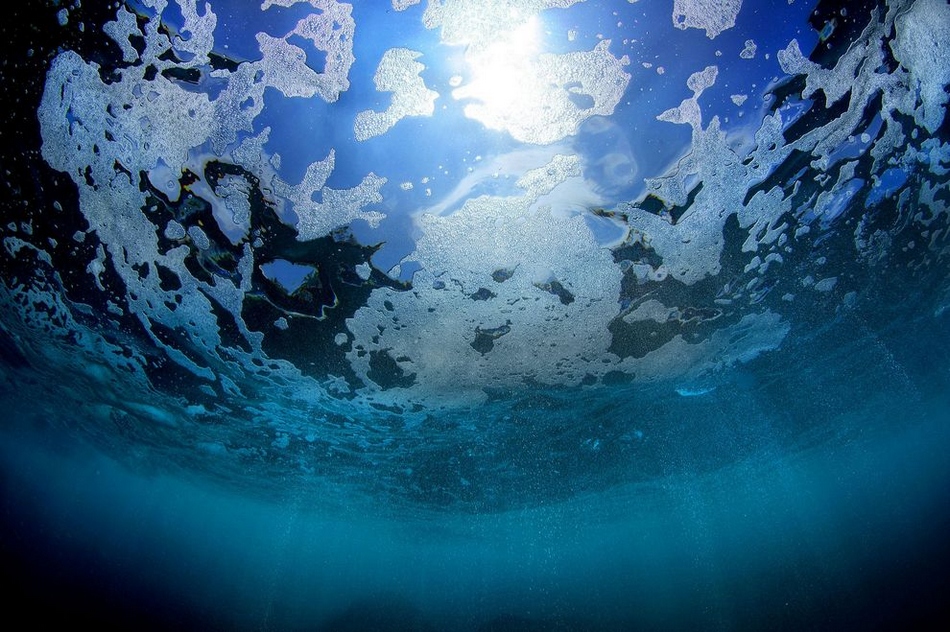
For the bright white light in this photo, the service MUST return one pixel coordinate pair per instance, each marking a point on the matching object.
(504, 73)
(515, 86)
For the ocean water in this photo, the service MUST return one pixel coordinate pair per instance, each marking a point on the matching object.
(475, 315)
(844, 528)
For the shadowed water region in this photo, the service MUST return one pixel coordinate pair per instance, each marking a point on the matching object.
(475, 315)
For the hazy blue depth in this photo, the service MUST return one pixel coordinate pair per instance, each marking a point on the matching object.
(475, 315)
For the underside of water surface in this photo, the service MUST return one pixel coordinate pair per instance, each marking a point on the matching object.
(476, 314)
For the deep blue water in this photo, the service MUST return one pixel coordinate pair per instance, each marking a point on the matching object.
(847, 538)
(847, 529)
(434, 423)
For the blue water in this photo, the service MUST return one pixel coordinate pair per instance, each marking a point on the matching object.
(786, 476)
(845, 529)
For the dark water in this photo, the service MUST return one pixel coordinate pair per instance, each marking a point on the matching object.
(845, 530)
(755, 440)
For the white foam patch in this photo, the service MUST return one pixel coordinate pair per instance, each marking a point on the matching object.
(847, 77)
(748, 51)
(688, 111)
(400, 74)
(120, 30)
(130, 110)
(478, 23)
(200, 30)
(922, 46)
(337, 207)
(543, 180)
(537, 98)
(238, 105)
(330, 28)
(431, 330)
(542, 98)
(760, 217)
(96, 133)
(712, 16)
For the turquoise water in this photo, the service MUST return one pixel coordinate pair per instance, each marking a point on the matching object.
(845, 529)
(475, 315)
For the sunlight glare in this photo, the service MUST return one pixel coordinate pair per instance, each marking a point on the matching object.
(503, 73)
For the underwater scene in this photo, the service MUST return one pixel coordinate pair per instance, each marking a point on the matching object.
(475, 315)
